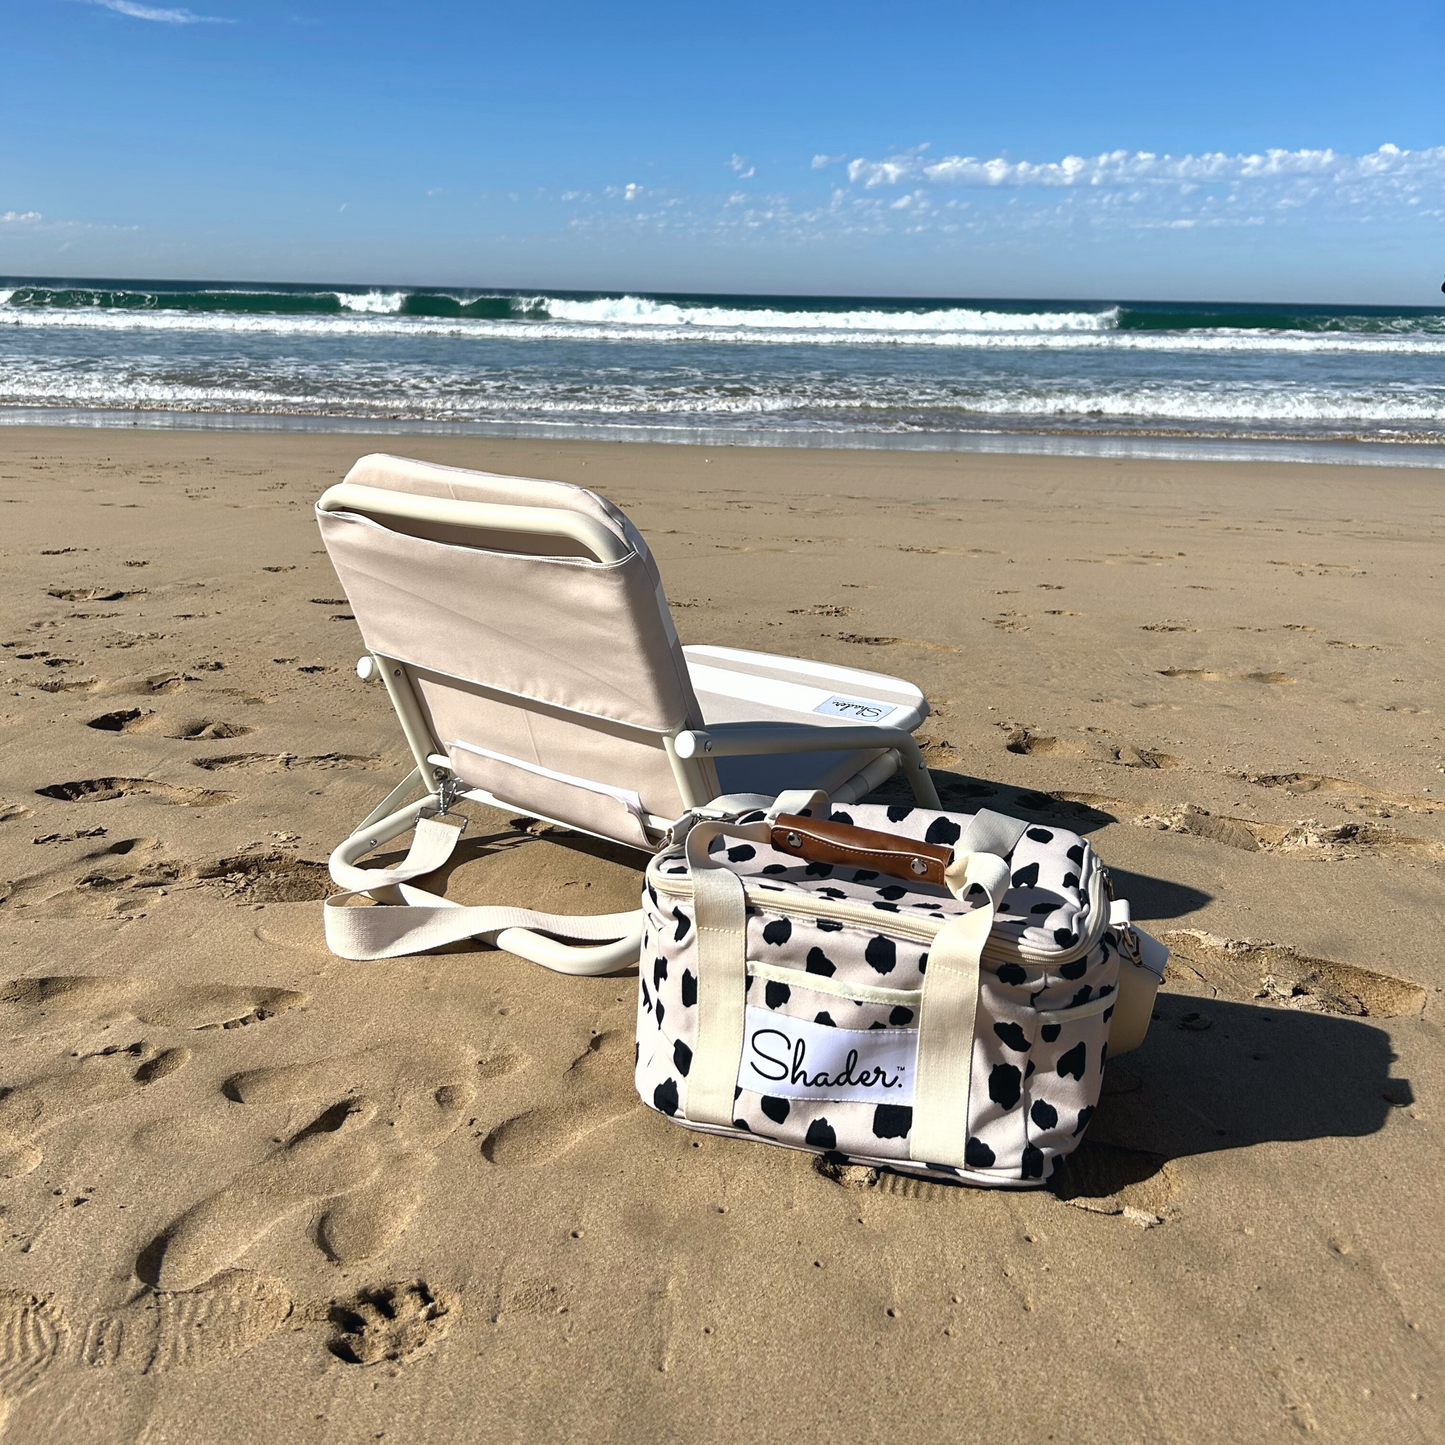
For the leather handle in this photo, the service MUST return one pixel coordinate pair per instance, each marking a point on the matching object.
(827, 842)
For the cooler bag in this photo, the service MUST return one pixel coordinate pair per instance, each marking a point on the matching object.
(927, 991)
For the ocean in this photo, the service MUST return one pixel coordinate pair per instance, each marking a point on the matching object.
(841, 371)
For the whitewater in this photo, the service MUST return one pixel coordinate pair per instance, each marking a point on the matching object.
(746, 367)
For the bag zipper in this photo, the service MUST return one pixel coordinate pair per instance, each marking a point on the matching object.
(922, 930)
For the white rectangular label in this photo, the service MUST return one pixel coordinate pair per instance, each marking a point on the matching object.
(860, 709)
(795, 1059)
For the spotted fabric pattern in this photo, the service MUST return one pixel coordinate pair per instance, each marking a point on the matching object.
(1035, 1073)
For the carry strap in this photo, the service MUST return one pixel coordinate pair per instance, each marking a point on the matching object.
(414, 920)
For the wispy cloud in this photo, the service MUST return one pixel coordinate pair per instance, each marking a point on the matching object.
(20, 218)
(160, 14)
(740, 167)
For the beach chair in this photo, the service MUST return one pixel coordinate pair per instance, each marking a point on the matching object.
(522, 635)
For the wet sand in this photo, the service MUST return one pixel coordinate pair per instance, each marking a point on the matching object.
(250, 1191)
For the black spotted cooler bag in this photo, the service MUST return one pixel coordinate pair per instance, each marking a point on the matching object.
(918, 990)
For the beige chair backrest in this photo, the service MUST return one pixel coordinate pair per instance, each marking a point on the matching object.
(545, 676)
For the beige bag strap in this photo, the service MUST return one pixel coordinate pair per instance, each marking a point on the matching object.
(948, 1015)
(720, 916)
(411, 920)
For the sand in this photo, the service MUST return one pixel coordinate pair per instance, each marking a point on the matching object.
(254, 1192)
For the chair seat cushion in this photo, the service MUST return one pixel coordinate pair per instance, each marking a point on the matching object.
(733, 685)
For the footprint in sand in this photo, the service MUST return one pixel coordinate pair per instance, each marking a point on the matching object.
(62, 1006)
(30, 1110)
(286, 762)
(105, 790)
(32, 1333)
(596, 1090)
(362, 1161)
(166, 1330)
(1037, 745)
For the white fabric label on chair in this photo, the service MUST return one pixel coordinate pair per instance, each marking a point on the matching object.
(859, 709)
(794, 1059)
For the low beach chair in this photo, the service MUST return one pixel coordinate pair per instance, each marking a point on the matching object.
(522, 634)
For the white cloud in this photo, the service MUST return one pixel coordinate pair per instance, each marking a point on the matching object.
(21, 218)
(1121, 168)
(739, 165)
(819, 161)
(163, 15)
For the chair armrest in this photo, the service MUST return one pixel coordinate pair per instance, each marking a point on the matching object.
(729, 740)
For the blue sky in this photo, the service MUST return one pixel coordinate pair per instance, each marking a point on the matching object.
(1046, 149)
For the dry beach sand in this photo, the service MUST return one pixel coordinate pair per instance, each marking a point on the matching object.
(254, 1192)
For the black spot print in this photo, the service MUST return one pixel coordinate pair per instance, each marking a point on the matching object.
(1073, 1061)
(897, 812)
(652, 894)
(875, 1024)
(900, 1017)
(1026, 877)
(829, 925)
(1085, 1114)
(882, 956)
(1029, 1072)
(637, 1053)
(775, 868)
(832, 893)
(864, 875)
(826, 1019)
(1076, 854)
(778, 932)
(1082, 996)
(843, 818)
(819, 870)
(658, 1012)
(942, 830)
(743, 853)
(1014, 1037)
(923, 963)
(819, 962)
(743, 1125)
(1043, 908)
(748, 984)
(1011, 973)
(893, 892)
(892, 1121)
(683, 924)
(1071, 880)
(689, 989)
(1004, 1085)
(820, 1135)
(646, 997)
(977, 1154)
(776, 994)
(775, 1109)
(659, 972)
(681, 1057)
(1044, 1115)
(1031, 1163)
(1040, 835)
(1050, 1032)
(887, 907)
(1077, 969)
(664, 1096)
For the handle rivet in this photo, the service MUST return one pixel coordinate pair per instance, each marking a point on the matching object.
(795, 840)
(919, 866)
